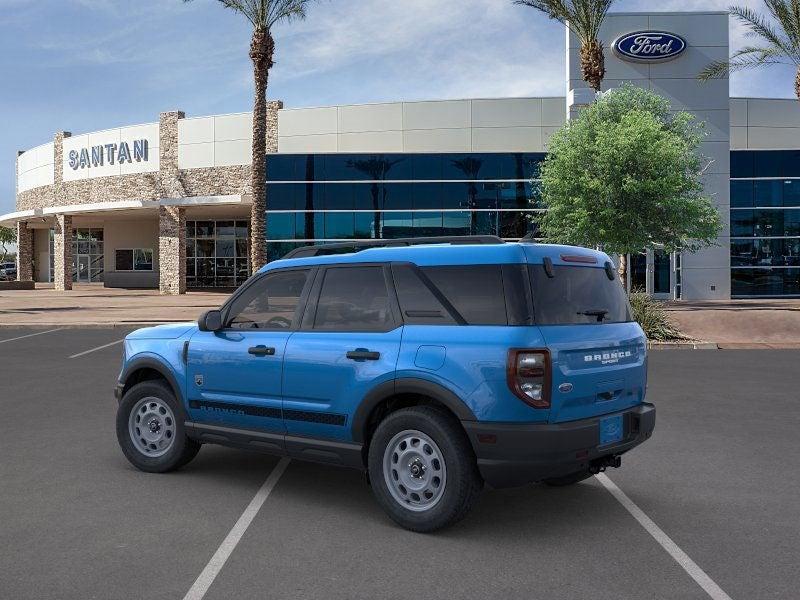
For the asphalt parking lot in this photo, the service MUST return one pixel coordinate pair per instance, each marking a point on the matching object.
(719, 477)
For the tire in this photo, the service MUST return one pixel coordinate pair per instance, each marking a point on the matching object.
(565, 480)
(430, 435)
(163, 448)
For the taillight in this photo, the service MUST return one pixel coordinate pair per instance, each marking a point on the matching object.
(528, 373)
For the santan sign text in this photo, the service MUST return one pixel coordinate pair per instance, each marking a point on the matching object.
(97, 156)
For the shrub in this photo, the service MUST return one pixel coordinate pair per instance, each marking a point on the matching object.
(652, 317)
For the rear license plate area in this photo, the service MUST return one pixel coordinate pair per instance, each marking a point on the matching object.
(611, 430)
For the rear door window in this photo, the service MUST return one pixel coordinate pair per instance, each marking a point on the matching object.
(353, 299)
(577, 295)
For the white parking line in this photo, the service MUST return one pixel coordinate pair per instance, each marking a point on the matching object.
(688, 565)
(214, 566)
(22, 337)
(96, 349)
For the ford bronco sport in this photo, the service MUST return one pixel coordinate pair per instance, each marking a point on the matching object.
(435, 366)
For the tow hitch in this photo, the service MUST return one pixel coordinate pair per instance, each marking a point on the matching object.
(601, 464)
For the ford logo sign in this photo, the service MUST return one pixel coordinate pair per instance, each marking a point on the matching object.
(649, 46)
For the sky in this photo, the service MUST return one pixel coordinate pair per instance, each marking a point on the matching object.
(86, 65)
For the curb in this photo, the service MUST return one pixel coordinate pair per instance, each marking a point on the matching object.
(683, 346)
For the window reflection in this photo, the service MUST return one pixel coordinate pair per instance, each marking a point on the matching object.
(765, 257)
(365, 196)
(217, 252)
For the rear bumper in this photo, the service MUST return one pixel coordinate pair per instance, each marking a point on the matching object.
(527, 452)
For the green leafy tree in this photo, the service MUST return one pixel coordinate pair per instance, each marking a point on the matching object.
(263, 15)
(778, 40)
(584, 19)
(626, 175)
(8, 236)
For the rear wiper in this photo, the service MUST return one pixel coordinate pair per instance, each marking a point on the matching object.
(599, 313)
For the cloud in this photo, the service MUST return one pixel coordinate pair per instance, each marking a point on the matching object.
(426, 49)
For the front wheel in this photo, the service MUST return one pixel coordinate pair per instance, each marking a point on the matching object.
(422, 468)
(150, 429)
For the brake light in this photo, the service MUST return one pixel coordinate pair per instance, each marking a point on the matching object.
(576, 258)
(528, 374)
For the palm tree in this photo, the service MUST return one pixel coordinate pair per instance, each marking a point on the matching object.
(780, 42)
(584, 19)
(262, 15)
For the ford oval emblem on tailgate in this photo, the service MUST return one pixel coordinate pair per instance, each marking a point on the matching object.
(565, 388)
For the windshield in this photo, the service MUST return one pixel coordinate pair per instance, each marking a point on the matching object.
(577, 295)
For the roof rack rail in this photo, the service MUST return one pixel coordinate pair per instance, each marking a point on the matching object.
(357, 246)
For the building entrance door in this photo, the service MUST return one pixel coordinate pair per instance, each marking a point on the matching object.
(655, 272)
(83, 269)
(662, 274)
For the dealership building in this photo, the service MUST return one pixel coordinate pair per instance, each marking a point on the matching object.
(167, 204)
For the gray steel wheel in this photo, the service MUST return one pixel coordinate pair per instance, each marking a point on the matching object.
(151, 426)
(414, 470)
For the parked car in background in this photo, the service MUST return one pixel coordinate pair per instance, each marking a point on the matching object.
(432, 368)
(8, 271)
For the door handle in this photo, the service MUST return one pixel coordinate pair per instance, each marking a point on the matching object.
(363, 354)
(261, 351)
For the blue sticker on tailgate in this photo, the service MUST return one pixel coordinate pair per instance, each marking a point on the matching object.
(610, 430)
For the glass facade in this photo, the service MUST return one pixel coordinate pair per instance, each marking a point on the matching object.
(318, 198)
(217, 253)
(765, 223)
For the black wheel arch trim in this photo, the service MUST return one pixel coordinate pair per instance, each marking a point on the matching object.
(406, 385)
(148, 362)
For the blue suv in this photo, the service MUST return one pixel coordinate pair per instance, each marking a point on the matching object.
(434, 367)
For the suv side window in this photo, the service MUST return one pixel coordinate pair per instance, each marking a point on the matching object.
(417, 302)
(270, 302)
(476, 291)
(353, 299)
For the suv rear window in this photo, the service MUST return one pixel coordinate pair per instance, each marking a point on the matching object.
(577, 295)
(469, 295)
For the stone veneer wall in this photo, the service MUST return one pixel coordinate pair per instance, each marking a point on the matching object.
(24, 252)
(169, 182)
(172, 250)
(217, 181)
(62, 251)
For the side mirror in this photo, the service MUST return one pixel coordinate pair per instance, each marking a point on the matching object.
(210, 321)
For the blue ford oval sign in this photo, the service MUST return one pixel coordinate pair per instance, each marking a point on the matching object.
(649, 46)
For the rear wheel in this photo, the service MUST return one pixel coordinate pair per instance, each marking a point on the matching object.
(150, 428)
(422, 469)
(567, 479)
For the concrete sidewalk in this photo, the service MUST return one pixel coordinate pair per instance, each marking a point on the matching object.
(740, 323)
(92, 305)
(734, 324)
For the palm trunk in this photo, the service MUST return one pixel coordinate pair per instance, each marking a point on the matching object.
(593, 64)
(622, 271)
(376, 215)
(797, 84)
(261, 51)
